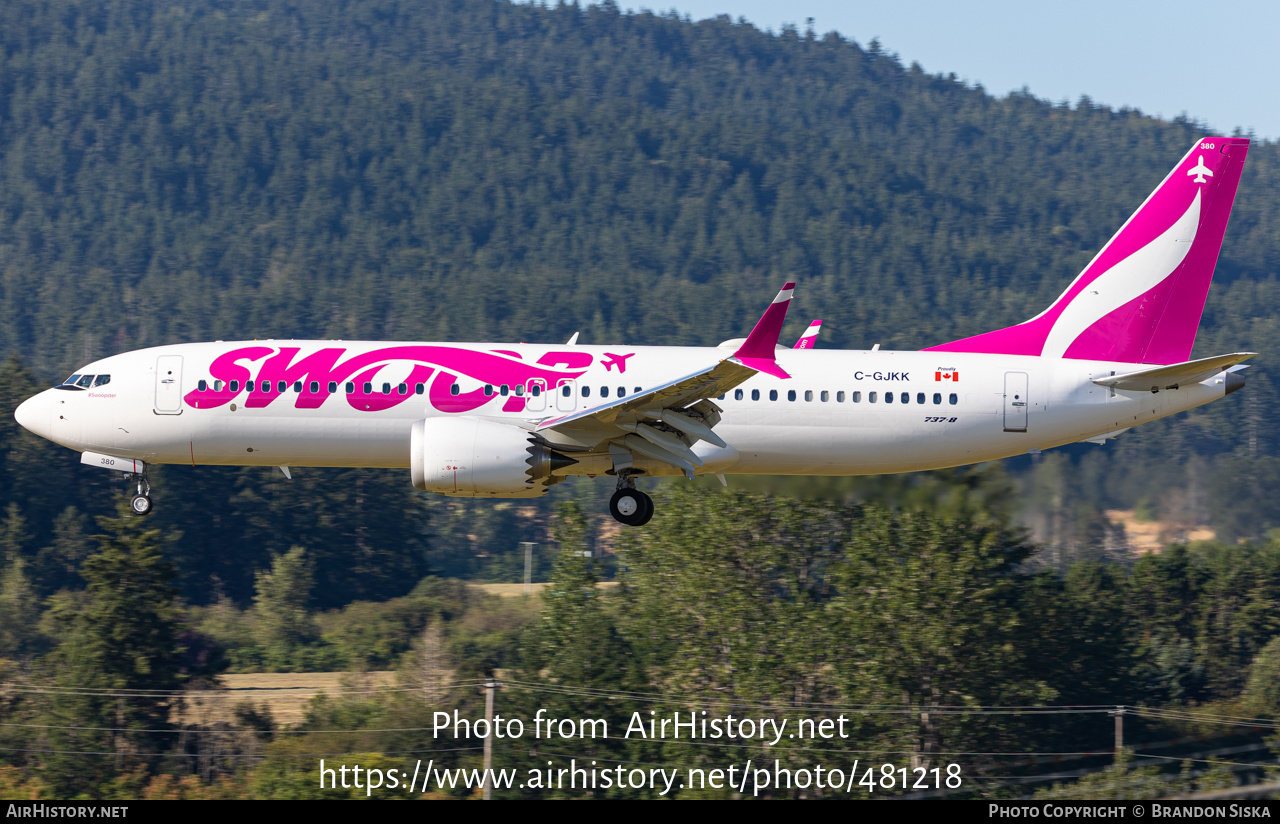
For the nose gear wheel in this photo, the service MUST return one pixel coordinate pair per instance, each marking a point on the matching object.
(141, 503)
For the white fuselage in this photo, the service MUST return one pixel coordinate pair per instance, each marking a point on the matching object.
(947, 409)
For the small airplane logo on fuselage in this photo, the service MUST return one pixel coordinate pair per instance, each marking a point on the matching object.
(619, 361)
(1200, 170)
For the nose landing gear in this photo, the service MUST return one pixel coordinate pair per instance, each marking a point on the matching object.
(141, 502)
(629, 505)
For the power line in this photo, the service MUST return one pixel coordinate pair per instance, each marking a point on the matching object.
(231, 755)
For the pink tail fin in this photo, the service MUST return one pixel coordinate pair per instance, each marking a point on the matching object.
(1140, 299)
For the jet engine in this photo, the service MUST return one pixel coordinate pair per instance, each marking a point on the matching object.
(470, 457)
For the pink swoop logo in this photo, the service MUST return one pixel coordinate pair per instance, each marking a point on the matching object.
(436, 366)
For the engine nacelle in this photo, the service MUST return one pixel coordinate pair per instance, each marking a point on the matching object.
(470, 457)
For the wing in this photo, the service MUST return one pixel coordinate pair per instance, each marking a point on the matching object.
(668, 418)
(711, 382)
(1169, 377)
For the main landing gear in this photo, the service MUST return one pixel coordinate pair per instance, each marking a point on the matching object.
(141, 502)
(629, 505)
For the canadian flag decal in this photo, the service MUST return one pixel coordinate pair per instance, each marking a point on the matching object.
(947, 374)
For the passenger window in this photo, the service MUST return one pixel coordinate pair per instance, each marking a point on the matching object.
(454, 389)
(315, 387)
(202, 385)
(906, 397)
(386, 388)
(248, 386)
(333, 387)
(217, 386)
(825, 396)
(773, 394)
(808, 395)
(953, 399)
(519, 390)
(919, 397)
(235, 386)
(297, 386)
(535, 390)
(403, 389)
(871, 397)
(791, 394)
(488, 389)
(604, 391)
(839, 397)
(888, 397)
(282, 386)
(419, 389)
(639, 390)
(586, 391)
(737, 394)
(755, 394)
(86, 381)
(857, 397)
(351, 387)
(937, 398)
(102, 380)
(566, 390)
(622, 391)
(368, 388)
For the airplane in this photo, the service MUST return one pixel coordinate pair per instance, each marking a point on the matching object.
(510, 420)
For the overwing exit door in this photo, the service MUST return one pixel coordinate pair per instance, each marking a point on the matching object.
(1015, 402)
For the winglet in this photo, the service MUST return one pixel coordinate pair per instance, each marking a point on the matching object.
(810, 336)
(756, 351)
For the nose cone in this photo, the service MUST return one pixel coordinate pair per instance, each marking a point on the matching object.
(33, 414)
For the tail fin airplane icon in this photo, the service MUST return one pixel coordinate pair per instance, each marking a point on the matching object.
(1200, 171)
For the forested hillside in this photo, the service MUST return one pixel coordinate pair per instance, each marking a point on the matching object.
(481, 170)
(478, 170)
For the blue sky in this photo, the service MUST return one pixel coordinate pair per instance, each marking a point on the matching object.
(1219, 63)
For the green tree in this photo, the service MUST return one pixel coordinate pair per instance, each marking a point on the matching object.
(1262, 690)
(283, 622)
(927, 617)
(118, 667)
(19, 611)
(575, 663)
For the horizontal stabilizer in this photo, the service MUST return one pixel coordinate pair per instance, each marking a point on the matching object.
(1106, 436)
(1178, 374)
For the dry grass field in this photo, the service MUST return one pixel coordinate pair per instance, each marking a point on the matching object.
(1154, 536)
(284, 693)
(516, 590)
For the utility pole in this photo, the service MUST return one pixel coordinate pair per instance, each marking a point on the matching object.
(528, 567)
(489, 685)
(1119, 714)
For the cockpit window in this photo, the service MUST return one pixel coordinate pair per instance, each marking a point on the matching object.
(85, 381)
(102, 380)
(71, 380)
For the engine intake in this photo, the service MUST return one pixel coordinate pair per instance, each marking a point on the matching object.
(470, 457)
